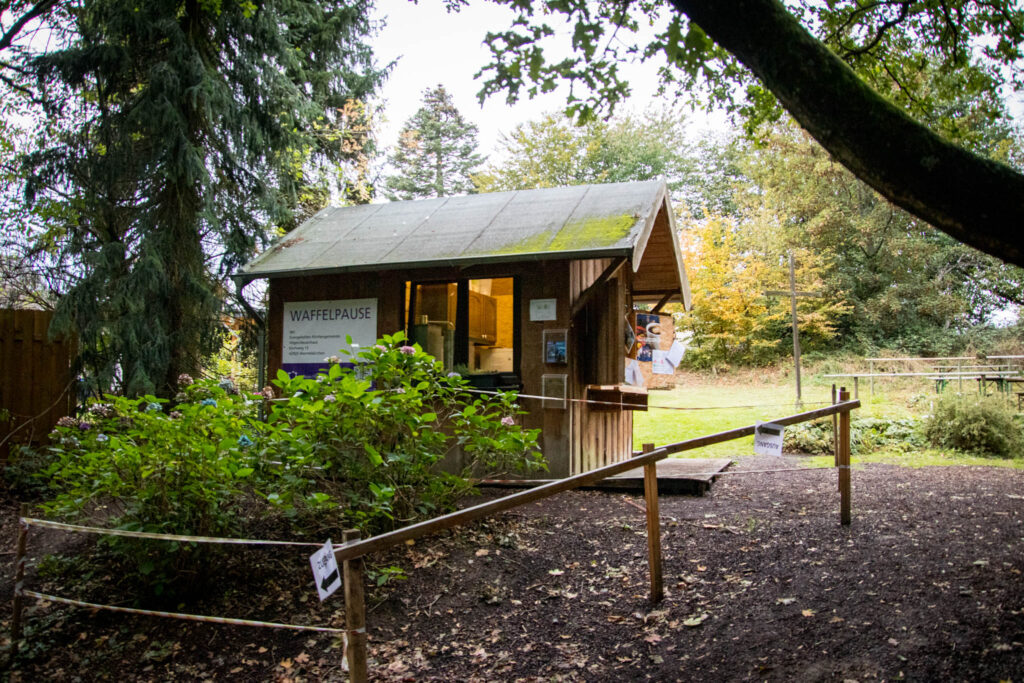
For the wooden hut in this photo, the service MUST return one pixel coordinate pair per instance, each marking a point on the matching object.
(529, 290)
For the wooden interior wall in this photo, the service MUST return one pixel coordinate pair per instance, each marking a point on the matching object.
(537, 280)
(35, 380)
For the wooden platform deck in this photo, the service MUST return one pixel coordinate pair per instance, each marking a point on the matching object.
(688, 476)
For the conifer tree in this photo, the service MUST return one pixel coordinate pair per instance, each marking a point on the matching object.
(186, 131)
(436, 152)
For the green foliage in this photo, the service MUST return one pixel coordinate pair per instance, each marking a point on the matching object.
(355, 446)
(913, 53)
(184, 471)
(907, 286)
(361, 445)
(867, 434)
(983, 425)
(436, 152)
(554, 152)
(177, 136)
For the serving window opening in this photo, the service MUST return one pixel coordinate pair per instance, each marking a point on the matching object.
(468, 325)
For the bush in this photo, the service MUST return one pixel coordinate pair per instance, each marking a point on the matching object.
(983, 425)
(131, 463)
(370, 437)
(866, 435)
(356, 446)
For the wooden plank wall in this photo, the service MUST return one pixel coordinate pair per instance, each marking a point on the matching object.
(599, 437)
(35, 377)
(537, 280)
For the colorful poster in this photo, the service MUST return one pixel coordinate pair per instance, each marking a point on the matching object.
(648, 335)
(313, 331)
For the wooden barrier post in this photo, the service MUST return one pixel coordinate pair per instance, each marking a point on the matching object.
(835, 430)
(355, 613)
(653, 526)
(19, 580)
(844, 461)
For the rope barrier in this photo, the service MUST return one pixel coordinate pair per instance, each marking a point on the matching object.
(162, 537)
(184, 617)
(631, 405)
(781, 469)
(619, 404)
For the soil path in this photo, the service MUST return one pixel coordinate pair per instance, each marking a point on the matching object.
(762, 584)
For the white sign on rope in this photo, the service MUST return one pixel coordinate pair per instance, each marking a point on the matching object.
(768, 438)
(325, 571)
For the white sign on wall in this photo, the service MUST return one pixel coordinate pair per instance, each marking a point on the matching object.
(315, 330)
(543, 309)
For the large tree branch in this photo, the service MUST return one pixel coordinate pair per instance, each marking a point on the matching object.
(39, 9)
(973, 199)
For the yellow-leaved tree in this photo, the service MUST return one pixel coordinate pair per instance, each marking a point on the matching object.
(731, 266)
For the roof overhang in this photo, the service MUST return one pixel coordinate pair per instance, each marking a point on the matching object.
(632, 220)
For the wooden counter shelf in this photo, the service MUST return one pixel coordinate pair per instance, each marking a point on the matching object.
(616, 397)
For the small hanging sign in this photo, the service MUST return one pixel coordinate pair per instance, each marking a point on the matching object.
(768, 438)
(325, 571)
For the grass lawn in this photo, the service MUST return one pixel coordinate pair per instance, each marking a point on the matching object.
(713, 404)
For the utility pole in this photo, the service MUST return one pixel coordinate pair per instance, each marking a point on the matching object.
(793, 294)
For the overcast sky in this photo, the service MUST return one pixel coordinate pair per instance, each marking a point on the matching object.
(433, 47)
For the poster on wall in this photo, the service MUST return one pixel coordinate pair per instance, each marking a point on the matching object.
(554, 347)
(660, 364)
(647, 331)
(313, 331)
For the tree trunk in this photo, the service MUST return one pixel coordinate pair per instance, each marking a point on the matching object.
(975, 200)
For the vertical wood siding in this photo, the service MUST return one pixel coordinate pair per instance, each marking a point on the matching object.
(598, 437)
(35, 375)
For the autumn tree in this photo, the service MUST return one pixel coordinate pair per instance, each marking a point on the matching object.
(731, 265)
(436, 152)
(831, 84)
(908, 285)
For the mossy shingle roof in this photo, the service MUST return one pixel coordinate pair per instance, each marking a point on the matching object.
(585, 221)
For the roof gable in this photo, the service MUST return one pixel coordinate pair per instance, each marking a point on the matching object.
(583, 221)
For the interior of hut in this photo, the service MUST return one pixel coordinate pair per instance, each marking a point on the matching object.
(488, 335)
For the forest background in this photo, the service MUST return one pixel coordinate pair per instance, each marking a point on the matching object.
(145, 156)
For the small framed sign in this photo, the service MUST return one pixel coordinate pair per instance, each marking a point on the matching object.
(543, 309)
(553, 388)
(555, 347)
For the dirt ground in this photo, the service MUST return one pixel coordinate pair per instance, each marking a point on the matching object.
(762, 583)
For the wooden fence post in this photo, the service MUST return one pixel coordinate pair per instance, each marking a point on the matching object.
(355, 613)
(19, 580)
(653, 526)
(844, 460)
(835, 430)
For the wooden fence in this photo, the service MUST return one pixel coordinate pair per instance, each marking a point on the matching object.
(354, 549)
(35, 378)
